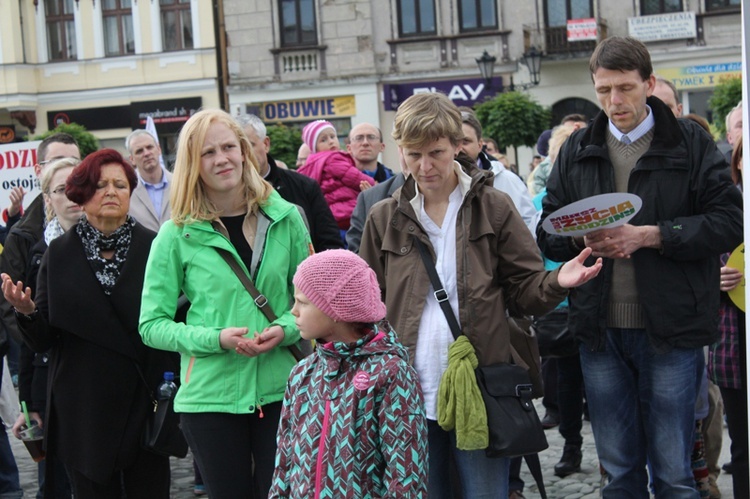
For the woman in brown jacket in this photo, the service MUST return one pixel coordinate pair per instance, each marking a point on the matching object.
(485, 257)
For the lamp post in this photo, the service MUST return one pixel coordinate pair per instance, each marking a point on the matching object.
(486, 65)
(532, 59)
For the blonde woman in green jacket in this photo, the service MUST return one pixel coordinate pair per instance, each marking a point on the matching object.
(234, 361)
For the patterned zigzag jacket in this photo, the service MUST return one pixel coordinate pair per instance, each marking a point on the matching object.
(353, 423)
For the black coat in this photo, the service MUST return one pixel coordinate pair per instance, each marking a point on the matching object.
(33, 366)
(97, 401)
(687, 192)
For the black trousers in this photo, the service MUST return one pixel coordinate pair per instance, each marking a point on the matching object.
(735, 406)
(235, 452)
(148, 477)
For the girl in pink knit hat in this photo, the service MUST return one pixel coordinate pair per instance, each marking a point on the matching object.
(352, 421)
(334, 170)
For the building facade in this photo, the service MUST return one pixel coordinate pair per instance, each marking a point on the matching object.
(107, 65)
(351, 61)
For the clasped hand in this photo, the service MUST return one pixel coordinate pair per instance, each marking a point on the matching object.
(622, 241)
(233, 338)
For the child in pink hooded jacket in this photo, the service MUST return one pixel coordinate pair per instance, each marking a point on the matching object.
(335, 171)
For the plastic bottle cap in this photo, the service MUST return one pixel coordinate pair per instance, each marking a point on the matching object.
(169, 375)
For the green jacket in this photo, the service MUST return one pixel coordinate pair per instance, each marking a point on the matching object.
(183, 259)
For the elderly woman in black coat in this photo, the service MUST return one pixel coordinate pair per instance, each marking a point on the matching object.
(86, 310)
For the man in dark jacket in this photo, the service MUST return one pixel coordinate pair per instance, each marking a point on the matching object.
(294, 187)
(644, 320)
(25, 234)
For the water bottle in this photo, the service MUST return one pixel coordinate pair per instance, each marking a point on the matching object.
(166, 389)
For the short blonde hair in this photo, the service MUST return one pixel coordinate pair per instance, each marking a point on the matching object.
(188, 198)
(425, 118)
(46, 180)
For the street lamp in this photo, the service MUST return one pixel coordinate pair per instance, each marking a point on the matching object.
(486, 65)
(532, 59)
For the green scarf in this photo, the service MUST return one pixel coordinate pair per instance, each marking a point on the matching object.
(460, 403)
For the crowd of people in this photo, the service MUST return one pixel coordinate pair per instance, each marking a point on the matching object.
(227, 268)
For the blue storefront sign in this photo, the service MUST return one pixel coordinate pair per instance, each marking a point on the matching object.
(465, 92)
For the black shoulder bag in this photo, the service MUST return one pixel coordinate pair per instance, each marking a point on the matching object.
(162, 434)
(514, 426)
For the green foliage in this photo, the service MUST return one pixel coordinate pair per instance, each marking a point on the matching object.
(726, 95)
(513, 119)
(285, 142)
(87, 143)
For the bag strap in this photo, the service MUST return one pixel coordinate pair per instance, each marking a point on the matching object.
(148, 388)
(535, 467)
(440, 294)
(260, 301)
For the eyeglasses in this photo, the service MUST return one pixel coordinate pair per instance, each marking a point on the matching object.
(358, 139)
(48, 161)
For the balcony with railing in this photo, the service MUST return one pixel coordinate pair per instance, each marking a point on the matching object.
(555, 44)
(300, 63)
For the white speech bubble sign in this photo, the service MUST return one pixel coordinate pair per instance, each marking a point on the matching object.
(603, 211)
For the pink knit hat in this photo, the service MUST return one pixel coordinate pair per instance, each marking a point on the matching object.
(341, 285)
(312, 130)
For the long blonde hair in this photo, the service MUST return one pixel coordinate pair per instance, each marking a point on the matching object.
(188, 198)
(49, 172)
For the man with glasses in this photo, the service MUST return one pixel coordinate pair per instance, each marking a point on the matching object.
(365, 144)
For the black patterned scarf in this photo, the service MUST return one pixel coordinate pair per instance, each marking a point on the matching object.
(94, 242)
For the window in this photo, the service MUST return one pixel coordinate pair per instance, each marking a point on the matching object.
(649, 7)
(477, 15)
(118, 27)
(61, 30)
(177, 26)
(558, 12)
(416, 17)
(714, 5)
(298, 23)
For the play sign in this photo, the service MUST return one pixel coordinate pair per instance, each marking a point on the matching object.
(593, 213)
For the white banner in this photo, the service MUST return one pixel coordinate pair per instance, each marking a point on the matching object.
(580, 30)
(17, 162)
(671, 26)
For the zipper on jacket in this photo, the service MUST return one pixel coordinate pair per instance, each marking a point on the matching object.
(260, 412)
(263, 249)
(321, 451)
(189, 369)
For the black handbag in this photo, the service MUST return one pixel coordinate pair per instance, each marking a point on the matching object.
(516, 431)
(162, 434)
(513, 424)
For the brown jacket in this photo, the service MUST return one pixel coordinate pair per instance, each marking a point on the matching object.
(498, 266)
